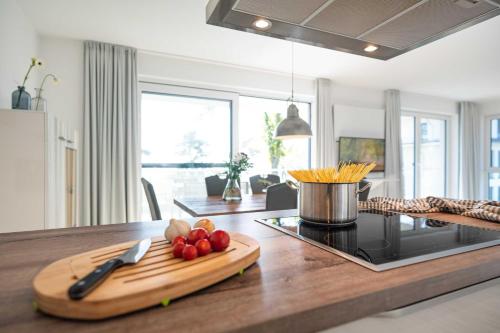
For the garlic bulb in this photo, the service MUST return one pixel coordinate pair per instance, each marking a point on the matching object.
(177, 228)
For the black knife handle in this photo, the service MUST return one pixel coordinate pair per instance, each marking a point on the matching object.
(81, 288)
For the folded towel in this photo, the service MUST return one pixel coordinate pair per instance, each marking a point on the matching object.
(480, 209)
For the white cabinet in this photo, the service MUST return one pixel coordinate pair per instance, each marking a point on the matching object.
(32, 171)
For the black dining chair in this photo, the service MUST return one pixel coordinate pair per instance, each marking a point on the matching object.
(152, 202)
(215, 185)
(363, 196)
(281, 196)
(259, 183)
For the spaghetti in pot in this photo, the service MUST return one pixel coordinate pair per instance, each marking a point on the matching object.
(344, 173)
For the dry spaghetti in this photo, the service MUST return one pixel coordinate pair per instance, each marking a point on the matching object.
(344, 173)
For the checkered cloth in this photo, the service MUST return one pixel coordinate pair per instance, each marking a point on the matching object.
(485, 210)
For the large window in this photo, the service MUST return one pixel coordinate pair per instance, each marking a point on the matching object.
(258, 118)
(494, 160)
(424, 143)
(188, 134)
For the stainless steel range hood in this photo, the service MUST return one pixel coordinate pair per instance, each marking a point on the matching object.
(393, 27)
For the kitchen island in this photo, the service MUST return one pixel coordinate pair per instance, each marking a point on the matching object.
(293, 287)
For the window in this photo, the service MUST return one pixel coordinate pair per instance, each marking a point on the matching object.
(257, 121)
(494, 160)
(186, 135)
(424, 149)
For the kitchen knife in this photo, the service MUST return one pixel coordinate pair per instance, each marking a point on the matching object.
(84, 286)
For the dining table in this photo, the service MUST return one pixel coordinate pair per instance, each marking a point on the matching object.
(214, 205)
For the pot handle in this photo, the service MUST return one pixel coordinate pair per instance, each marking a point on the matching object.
(291, 184)
(367, 186)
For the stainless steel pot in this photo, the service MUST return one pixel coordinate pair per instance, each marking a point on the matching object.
(330, 203)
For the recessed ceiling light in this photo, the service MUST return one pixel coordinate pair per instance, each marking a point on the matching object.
(371, 48)
(262, 24)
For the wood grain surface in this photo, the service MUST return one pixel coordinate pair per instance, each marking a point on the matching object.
(214, 205)
(293, 287)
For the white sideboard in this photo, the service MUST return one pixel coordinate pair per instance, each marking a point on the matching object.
(32, 171)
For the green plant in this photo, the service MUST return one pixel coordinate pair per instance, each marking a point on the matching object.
(275, 147)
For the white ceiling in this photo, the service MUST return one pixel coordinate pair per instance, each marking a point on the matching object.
(462, 66)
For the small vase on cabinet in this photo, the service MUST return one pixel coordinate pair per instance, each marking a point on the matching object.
(39, 103)
(21, 99)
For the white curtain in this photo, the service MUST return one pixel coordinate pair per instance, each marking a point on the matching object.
(393, 158)
(111, 135)
(470, 143)
(325, 138)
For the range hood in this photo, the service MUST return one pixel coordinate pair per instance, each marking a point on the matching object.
(380, 29)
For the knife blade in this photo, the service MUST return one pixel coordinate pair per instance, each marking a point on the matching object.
(85, 285)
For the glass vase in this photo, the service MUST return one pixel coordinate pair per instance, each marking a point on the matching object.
(38, 103)
(232, 192)
(21, 99)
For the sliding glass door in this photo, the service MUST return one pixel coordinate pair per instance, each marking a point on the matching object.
(186, 135)
(424, 149)
(494, 159)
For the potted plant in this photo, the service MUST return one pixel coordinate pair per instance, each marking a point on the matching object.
(275, 147)
(239, 163)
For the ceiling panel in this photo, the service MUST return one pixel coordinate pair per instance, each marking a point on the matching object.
(292, 11)
(427, 20)
(339, 16)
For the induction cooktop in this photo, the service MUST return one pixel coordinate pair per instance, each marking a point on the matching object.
(382, 241)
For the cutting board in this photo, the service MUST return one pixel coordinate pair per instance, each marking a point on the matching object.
(157, 279)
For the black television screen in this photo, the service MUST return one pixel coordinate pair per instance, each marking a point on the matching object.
(362, 150)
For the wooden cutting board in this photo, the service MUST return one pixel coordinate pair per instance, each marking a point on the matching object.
(157, 279)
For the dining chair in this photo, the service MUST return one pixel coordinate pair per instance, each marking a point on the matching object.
(281, 196)
(259, 183)
(152, 202)
(215, 185)
(363, 196)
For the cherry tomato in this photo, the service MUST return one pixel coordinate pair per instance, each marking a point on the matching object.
(178, 249)
(196, 234)
(219, 239)
(203, 246)
(189, 252)
(179, 239)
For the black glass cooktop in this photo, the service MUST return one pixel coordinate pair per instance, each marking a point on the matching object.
(384, 241)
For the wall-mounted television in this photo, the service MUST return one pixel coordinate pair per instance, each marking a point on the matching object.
(362, 150)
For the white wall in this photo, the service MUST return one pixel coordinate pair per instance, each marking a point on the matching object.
(489, 107)
(154, 67)
(64, 58)
(18, 44)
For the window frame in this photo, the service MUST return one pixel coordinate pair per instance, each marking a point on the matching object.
(418, 115)
(190, 92)
(487, 153)
(216, 94)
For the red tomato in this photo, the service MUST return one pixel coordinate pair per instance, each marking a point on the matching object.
(203, 246)
(189, 252)
(178, 248)
(196, 234)
(219, 239)
(179, 239)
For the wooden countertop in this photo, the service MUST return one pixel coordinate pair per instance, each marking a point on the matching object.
(214, 205)
(294, 286)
